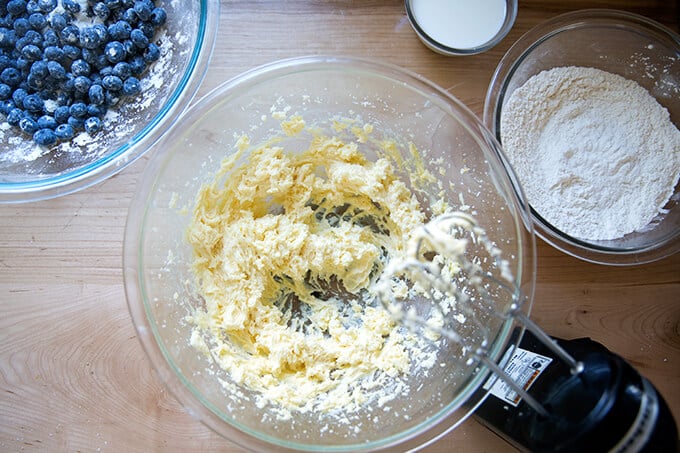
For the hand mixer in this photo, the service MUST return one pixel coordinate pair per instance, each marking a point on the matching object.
(555, 395)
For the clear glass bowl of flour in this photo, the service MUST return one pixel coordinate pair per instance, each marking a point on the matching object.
(29, 172)
(627, 45)
(390, 115)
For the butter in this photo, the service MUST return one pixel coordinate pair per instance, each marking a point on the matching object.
(286, 248)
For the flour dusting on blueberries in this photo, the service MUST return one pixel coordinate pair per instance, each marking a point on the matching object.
(72, 70)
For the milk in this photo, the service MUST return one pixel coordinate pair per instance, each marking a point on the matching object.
(460, 24)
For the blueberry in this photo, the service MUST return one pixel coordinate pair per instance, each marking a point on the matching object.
(21, 26)
(6, 62)
(35, 82)
(113, 4)
(18, 96)
(152, 53)
(33, 103)
(39, 69)
(37, 77)
(58, 21)
(8, 37)
(120, 30)
(89, 56)
(101, 10)
(37, 21)
(14, 116)
(105, 71)
(143, 9)
(130, 16)
(16, 7)
(122, 70)
(70, 34)
(138, 65)
(45, 137)
(68, 85)
(64, 132)
(63, 98)
(158, 16)
(47, 6)
(31, 52)
(102, 31)
(138, 37)
(62, 113)
(28, 125)
(115, 52)
(32, 7)
(96, 94)
(76, 123)
(96, 110)
(148, 29)
(23, 64)
(5, 91)
(72, 6)
(11, 76)
(131, 86)
(71, 52)
(6, 106)
(130, 47)
(78, 110)
(100, 61)
(56, 70)
(93, 125)
(112, 83)
(47, 122)
(35, 38)
(21, 43)
(82, 84)
(53, 53)
(80, 67)
(27, 39)
(89, 38)
(50, 38)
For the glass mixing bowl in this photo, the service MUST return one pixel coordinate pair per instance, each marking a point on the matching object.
(618, 42)
(29, 173)
(401, 106)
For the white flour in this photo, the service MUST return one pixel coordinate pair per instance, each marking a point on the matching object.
(597, 155)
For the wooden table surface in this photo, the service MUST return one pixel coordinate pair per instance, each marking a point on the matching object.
(74, 377)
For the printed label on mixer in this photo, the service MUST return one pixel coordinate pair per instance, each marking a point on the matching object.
(523, 367)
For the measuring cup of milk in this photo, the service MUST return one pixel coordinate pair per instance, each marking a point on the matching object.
(461, 27)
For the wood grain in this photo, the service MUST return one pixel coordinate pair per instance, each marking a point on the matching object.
(73, 376)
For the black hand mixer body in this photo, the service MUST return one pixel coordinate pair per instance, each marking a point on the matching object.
(608, 406)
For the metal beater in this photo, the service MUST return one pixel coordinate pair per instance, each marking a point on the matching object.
(460, 285)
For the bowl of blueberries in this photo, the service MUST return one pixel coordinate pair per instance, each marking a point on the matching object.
(87, 86)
